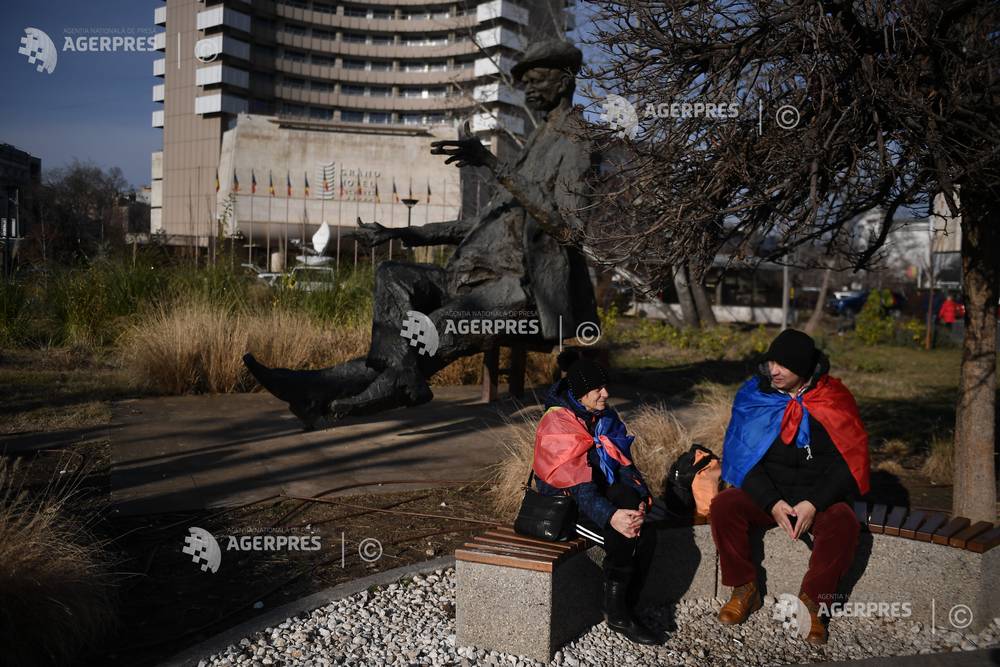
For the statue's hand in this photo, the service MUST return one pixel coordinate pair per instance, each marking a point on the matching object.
(371, 234)
(465, 152)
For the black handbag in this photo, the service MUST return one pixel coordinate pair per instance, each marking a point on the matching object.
(551, 518)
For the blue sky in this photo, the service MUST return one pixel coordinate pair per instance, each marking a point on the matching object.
(95, 107)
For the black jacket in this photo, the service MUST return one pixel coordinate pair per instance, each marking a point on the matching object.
(817, 473)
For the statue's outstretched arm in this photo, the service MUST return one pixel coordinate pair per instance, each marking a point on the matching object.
(435, 233)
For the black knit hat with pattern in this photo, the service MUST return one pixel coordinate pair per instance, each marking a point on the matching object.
(794, 350)
(584, 376)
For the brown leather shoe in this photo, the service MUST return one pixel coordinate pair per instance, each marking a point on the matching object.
(817, 631)
(744, 601)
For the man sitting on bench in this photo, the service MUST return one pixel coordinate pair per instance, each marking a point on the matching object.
(582, 448)
(795, 451)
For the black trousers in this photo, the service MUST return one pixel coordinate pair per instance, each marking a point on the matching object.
(626, 558)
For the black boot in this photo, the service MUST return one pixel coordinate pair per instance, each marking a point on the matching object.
(620, 618)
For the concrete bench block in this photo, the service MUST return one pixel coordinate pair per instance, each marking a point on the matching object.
(930, 578)
(684, 566)
(526, 612)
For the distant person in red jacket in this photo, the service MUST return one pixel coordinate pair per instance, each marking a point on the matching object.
(948, 312)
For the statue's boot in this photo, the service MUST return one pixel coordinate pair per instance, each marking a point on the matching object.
(288, 385)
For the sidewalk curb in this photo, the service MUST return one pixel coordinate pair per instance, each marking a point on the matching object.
(190, 657)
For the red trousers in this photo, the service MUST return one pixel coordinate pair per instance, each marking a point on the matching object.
(835, 538)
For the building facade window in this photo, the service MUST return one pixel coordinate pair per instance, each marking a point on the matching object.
(349, 116)
(351, 89)
(379, 117)
(321, 113)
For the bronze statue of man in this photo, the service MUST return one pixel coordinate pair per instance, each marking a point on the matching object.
(506, 261)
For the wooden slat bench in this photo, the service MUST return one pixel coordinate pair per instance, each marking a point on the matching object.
(524, 596)
(928, 526)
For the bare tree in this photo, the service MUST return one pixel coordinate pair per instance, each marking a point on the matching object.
(842, 107)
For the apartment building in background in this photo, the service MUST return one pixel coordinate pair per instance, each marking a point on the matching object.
(259, 99)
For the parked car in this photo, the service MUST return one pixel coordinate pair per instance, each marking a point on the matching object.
(269, 278)
(313, 278)
(850, 302)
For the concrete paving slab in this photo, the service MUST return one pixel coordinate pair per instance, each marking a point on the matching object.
(181, 453)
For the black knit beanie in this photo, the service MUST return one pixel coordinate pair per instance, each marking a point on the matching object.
(585, 376)
(794, 350)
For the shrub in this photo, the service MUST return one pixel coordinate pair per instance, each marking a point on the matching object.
(939, 464)
(55, 586)
(198, 346)
(874, 325)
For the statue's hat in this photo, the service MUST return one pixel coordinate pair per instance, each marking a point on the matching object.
(551, 53)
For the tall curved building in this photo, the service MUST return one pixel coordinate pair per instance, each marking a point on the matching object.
(260, 98)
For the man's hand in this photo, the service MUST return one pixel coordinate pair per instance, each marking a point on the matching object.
(371, 234)
(781, 511)
(627, 522)
(804, 512)
(465, 152)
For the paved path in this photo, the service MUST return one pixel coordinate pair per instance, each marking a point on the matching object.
(194, 452)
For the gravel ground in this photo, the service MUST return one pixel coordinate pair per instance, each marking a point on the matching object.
(413, 623)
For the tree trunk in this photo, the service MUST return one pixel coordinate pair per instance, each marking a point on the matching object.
(817, 314)
(974, 493)
(701, 304)
(688, 311)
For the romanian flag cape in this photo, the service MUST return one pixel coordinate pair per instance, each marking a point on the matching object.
(759, 417)
(561, 445)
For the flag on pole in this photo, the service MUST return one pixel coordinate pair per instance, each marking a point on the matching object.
(395, 195)
(236, 182)
(217, 184)
(270, 183)
(327, 172)
(253, 183)
(428, 192)
(341, 184)
(378, 200)
(288, 183)
(305, 176)
(411, 188)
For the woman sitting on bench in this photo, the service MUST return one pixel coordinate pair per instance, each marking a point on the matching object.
(582, 449)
